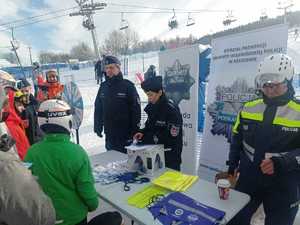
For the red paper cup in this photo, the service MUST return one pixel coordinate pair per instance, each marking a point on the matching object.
(223, 188)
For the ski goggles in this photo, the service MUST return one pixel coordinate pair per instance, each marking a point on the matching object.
(268, 80)
(48, 114)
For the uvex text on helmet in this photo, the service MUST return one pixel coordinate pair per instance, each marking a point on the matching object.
(54, 115)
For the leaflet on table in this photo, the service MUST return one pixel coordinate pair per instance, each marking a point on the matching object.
(136, 147)
(109, 174)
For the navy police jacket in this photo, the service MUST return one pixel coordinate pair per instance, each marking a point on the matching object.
(164, 126)
(268, 128)
(117, 108)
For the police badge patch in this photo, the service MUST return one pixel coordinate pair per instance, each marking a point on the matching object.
(174, 131)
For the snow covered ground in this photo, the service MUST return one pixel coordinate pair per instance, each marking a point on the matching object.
(84, 78)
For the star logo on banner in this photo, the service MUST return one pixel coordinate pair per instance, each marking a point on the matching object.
(226, 106)
(178, 82)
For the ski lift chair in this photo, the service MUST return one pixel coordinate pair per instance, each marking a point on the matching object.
(229, 19)
(173, 23)
(124, 23)
(190, 21)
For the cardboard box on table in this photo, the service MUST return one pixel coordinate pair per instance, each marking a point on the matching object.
(146, 158)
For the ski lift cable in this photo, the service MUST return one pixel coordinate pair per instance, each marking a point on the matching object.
(145, 12)
(24, 22)
(34, 22)
(37, 16)
(166, 10)
(169, 9)
(59, 16)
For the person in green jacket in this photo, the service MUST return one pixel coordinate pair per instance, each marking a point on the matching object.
(62, 168)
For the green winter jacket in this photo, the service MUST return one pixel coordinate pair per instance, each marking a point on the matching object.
(64, 173)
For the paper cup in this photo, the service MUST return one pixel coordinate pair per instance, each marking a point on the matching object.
(223, 188)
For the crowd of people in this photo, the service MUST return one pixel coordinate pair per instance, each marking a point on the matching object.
(45, 178)
(19, 109)
(264, 158)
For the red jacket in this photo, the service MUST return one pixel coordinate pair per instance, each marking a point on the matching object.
(55, 90)
(50, 91)
(16, 127)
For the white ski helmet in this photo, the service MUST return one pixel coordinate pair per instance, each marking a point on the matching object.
(55, 115)
(6, 80)
(275, 69)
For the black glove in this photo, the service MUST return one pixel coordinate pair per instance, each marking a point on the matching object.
(99, 134)
(98, 131)
(284, 164)
(6, 142)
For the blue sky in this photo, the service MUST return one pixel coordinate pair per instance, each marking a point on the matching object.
(61, 34)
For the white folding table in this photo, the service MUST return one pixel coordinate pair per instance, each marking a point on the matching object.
(202, 191)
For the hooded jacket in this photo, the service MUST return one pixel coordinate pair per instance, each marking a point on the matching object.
(16, 127)
(64, 173)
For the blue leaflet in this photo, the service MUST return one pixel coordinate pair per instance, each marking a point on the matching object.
(178, 208)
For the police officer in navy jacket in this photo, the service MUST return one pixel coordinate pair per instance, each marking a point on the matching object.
(117, 108)
(164, 123)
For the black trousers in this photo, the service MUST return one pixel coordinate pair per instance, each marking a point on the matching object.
(275, 214)
(83, 222)
(107, 218)
(117, 144)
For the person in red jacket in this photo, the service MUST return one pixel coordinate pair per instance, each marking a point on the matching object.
(55, 89)
(51, 88)
(16, 126)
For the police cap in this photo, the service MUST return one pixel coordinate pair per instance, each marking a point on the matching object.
(111, 60)
(152, 84)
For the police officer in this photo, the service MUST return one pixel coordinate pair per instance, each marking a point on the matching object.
(117, 108)
(266, 146)
(164, 123)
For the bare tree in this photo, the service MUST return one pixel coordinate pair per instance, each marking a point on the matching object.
(50, 57)
(114, 43)
(10, 57)
(82, 52)
(46, 57)
(131, 38)
(120, 42)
